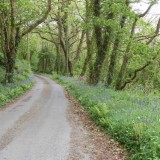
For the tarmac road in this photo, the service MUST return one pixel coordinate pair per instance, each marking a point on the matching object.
(35, 127)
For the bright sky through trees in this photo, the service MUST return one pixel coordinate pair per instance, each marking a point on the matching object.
(153, 15)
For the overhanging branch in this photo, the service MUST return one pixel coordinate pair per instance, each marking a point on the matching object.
(135, 73)
(41, 20)
(148, 9)
(156, 33)
(42, 37)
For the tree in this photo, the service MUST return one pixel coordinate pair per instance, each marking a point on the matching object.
(14, 27)
(116, 46)
(128, 53)
(102, 38)
(62, 30)
(89, 36)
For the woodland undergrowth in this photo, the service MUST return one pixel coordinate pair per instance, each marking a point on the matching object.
(23, 81)
(131, 118)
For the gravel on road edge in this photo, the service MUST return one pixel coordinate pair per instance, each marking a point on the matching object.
(89, 142)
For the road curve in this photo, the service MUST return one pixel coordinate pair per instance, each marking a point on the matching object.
(36, 126)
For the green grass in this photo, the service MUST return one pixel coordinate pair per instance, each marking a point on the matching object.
(23, 81)
(12, 91)
(130, 118)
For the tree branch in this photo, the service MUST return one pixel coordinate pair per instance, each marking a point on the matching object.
(140, 38)
(42, 37)
(156, 33)
(41, 20)
(135, 73)
(148, 9)
(79, 11)
(79, 46)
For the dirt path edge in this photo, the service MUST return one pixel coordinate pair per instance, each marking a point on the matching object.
(89, 142)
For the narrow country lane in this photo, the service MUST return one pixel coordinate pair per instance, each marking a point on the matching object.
(45, 125)
(36, 126)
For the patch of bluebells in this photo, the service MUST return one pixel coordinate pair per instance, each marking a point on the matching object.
(12, 90)
(129, 107)
(133, 117)
(26, 81)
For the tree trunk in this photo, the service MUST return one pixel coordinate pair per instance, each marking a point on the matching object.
(102, 43)
(10, 68)
(122, 72)
(70, 68)
(9, 40)
(12, 37)
(89, 37)
(79, 47)
(102, 48)
(114, 54)
(65, 25)
(64, 42)
(89, 54)
(125, 58)
(57, 64)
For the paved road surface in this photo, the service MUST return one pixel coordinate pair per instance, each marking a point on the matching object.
(36, 127)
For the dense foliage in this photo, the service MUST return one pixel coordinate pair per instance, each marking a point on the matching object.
(101, 40)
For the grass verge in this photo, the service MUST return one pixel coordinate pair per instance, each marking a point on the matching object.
(11, 91)
(130, 118)
(22, 81)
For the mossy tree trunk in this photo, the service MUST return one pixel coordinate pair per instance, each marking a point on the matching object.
(89, 35)
(114, 53)
(102, 43)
